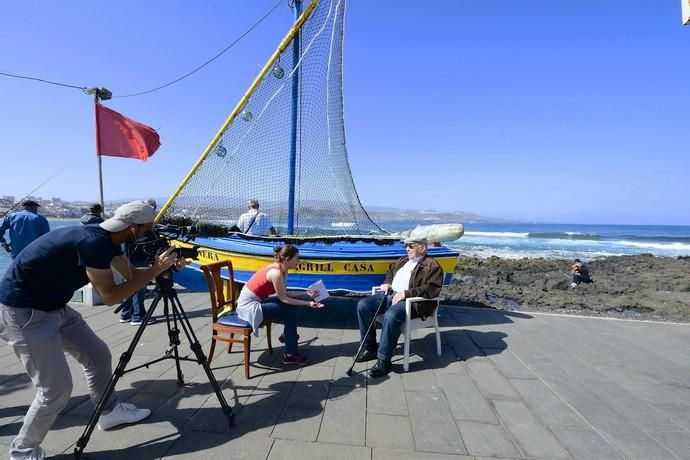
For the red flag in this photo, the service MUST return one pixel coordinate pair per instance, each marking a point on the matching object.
(119, 136)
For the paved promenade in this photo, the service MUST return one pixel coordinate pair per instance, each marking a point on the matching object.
(509, 385)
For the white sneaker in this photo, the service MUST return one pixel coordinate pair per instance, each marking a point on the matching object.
(36, 454)
(573, 285)
(122, 413)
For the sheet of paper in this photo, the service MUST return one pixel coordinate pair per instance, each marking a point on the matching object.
(319, 287)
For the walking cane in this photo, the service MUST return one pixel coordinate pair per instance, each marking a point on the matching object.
(361, 344)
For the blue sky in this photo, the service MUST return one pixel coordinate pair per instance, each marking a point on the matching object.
(541, 110)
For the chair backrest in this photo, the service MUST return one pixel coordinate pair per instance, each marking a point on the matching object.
(222, 292)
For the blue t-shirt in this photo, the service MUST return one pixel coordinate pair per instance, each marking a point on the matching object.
(46, 273)
(24, 226)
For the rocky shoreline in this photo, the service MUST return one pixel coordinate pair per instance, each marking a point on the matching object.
(641, 286)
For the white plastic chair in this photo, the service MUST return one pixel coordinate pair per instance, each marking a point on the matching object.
(412, 325)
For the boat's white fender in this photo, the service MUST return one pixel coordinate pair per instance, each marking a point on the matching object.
(436, 233)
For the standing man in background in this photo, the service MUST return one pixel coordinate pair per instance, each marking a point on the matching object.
(24, 226)
(94, 216)
(254, 222)
(133, 309)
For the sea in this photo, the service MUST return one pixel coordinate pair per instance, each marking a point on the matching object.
(553, 241)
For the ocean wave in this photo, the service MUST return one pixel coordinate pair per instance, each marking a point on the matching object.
(677, 239)
(650, 245)
(565, 236)
(499, 234)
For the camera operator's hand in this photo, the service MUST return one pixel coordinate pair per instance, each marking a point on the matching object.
(164, 260)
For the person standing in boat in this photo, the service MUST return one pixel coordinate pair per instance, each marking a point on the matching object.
(24, 226)
(254, 222)
(256, 304)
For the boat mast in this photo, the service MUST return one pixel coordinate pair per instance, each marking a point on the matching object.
(293, 119)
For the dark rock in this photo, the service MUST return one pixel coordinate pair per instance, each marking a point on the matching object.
(641, 286)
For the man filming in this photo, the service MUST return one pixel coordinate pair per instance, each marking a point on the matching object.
(37, 323)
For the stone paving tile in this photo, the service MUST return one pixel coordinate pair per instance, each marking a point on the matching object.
(212, 446)
(298, 424)
(677, 442)
(311, 388)
(289, 450)
(586, 444)
(396, 454)
(636, 445)
(465, 400)
(532, 438)
(679, 413)
(344, 418)
(389, 431)
(433, 428)
(386, 395)
(508, 364)
(487, 440)
(141, 441)
(490, 381)
(635, 410)
(547, 405)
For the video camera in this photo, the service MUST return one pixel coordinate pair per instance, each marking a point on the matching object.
(158, 240)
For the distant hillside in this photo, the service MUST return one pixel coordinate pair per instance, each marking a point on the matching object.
(381, 213)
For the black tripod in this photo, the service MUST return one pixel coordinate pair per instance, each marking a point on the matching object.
(174, 316)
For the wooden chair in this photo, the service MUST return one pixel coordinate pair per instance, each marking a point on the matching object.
(222, 292)
(412, 324)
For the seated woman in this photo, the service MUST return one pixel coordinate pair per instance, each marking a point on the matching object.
(254, 304)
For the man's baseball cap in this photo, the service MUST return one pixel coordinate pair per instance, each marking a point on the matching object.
(30, 204)
(412, 240)
(128, 214)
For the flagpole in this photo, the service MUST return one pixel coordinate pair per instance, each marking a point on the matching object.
(100, 158)
(99, 94)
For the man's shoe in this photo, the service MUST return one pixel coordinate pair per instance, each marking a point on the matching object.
(367, 354)
(380, 369)
(296, 358)
(124, 321)
(137, 322)
(36, 454)
(122, 413)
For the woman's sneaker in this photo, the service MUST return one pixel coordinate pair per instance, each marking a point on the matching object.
(122, 413)
(295, 359)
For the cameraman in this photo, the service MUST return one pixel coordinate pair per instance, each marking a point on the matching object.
(37, 323)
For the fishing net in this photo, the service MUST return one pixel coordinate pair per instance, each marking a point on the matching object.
(284, 143)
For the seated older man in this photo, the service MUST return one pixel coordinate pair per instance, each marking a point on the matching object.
(416, 275)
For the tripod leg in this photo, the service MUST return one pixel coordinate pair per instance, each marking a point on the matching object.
(200, 357)
(119, 372)
(174, 336)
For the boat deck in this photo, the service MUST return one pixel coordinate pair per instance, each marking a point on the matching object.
(508, 385)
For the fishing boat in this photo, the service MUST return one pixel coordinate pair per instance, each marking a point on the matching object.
(284, 145)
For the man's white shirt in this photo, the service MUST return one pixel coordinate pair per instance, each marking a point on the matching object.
(401, 280)
(260, 226)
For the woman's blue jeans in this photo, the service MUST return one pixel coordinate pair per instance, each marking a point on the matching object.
(275, 310)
